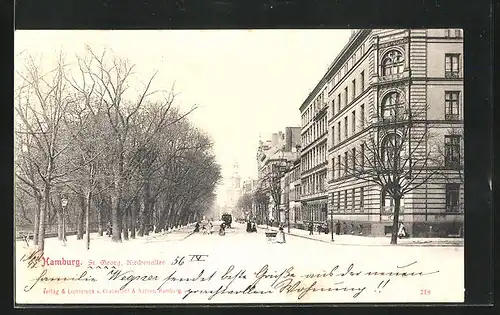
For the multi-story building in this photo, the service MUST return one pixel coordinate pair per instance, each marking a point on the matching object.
(273, 159)
(313, 155)
(377, 72)
(290, 201)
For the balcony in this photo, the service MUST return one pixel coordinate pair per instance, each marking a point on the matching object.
(451, 74)
(382, 79)
(453, 209)
(452, 117)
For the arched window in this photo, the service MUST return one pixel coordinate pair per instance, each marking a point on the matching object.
(392, 148)
(392, 63)
(390, 103)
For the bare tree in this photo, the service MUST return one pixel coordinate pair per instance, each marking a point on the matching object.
(261, 202)
(42, 102)
(271, 180)
(398, 155)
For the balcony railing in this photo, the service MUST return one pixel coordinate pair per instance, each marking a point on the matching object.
(452, 161)
(452, 116)
(451, 74)
(455, 209)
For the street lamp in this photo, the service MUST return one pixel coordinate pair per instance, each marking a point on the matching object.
(64, 203)
(331, 219)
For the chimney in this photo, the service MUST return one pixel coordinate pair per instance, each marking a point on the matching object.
(274, 139)
(288, 139)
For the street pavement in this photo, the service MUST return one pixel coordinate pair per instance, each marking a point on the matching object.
(248, 254)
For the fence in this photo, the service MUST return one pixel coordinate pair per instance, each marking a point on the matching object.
(51, 230)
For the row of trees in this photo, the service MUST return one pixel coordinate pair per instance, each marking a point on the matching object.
(120, 151)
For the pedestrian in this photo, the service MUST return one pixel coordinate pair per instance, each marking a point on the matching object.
(402, 231)
(249, 227)
(280, 237)
(337, 227)
(197, 227)
(222, 230)
(254, 227)
(211, 228)
(311, 228)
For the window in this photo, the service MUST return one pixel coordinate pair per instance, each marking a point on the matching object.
(362, 197)
(362, 115)
(451, 105)
(452, 150)
(452, 197)
(345, 127)
(392, 63)
(345, 200)
(391, 150)
(353, 122)
(346, 95)
(333, 108)
(339, 165)
(333, 168)
(353, 199)
(362, 155)
(362, 81)
(346, 163)
(353, 89)
(338, 201)
(353, 59)
(338, 131)
(354, 159)
(451, 66)
(333, 136)
(338, 103)
(390, 103)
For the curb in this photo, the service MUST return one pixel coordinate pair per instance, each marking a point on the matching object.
(351, 244)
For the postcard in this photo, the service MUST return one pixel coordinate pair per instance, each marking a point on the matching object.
(239, 166)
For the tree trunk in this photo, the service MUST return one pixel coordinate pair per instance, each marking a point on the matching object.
(36, 227)
(142, 206)
(81, 218)
(43, 216)
(147, 220)
(133, 210)
(395, 221)
(125, 225)
(100, 228)
(115, 217)
(87, 220)
(59, 217)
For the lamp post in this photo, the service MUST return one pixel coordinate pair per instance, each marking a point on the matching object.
(331, 219)
(288, 219)
(64, 203)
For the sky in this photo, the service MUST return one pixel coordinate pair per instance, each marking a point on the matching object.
(246, 84)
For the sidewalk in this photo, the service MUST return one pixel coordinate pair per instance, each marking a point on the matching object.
(359, 240)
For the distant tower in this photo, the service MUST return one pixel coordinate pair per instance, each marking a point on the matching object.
(233, 189)
(235, 178)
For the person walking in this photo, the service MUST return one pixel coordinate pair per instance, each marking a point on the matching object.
(337, 227)
(222, 230)
(311, 228)
(402, 231)
(280, 237)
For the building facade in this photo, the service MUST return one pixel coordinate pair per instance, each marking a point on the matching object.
(274, 157)
(378, 72)
(313, 155)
